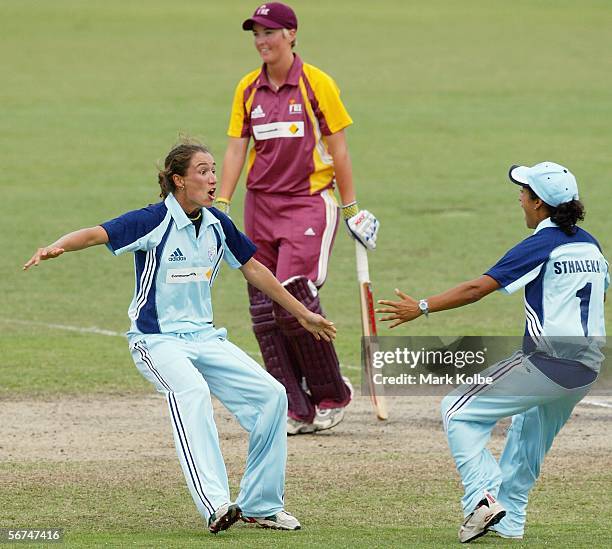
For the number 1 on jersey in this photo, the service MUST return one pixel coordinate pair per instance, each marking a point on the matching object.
(584, 294)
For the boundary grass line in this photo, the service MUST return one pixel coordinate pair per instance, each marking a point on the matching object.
(79, 329)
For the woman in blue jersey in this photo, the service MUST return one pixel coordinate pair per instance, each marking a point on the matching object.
(178, 245)
(565, 277)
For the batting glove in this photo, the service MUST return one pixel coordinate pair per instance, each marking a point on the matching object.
(222, 204)
(362, 224)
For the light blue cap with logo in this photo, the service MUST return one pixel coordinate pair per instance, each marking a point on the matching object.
(553, 183)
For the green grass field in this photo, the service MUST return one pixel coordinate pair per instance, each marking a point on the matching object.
(445, 96)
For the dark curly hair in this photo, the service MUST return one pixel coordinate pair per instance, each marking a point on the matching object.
(566, 215)
(177, 162)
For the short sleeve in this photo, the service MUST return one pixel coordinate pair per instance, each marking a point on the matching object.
(130, 232)
(238, 248)
(329, 109)
(521, 264)
(239, 123)
(237, 127)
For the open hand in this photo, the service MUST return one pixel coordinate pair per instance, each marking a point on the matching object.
(42, 254)
(318, 326)
(400, 311)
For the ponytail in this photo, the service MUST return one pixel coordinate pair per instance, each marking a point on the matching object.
(567, 215)
(165, 183)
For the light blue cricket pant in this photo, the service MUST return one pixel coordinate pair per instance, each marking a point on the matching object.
(539, 408)
(187, 368)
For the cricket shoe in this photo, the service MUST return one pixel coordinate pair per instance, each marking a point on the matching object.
(328, 418)
(505, 536)
(280, 521)
(297, 427)
(225, 515)
(487, 513)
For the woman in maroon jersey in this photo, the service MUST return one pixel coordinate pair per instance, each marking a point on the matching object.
(293, 113)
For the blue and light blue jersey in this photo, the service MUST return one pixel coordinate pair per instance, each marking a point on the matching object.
(175, 270)
(565, 278)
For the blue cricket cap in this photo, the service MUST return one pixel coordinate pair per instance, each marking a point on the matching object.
(553, 183)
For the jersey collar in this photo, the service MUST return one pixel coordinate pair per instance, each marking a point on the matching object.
(293, 77)
(180, 217)
(209, 218)
(545, 224)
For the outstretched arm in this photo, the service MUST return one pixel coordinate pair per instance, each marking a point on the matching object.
(465, 293)
(71, 242)
(260, 277)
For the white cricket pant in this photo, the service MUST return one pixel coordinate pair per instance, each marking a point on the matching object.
(187, 368)
(539, 408)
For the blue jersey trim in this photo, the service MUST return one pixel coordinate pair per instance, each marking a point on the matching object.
(131, 226)
(534, 251)
(147, 320)
(534, 295)
(570, 374)
(239, 244)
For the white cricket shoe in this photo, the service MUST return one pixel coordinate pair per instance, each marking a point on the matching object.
(225, 515)
(281, 521)
(328, 418)
(296, 427)
(487, 513)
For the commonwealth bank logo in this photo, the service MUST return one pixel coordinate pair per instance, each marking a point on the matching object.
(177, 255)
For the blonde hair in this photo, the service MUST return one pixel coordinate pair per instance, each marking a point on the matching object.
(285, 33)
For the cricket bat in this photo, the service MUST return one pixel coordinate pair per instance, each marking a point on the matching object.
(368, 329)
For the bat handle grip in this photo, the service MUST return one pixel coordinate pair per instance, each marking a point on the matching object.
(361, 254)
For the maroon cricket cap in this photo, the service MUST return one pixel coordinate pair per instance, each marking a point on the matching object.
(273, 15)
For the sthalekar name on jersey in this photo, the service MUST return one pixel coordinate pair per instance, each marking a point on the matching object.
(578, 266)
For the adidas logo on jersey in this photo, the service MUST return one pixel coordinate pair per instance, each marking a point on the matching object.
(177, 255)
(309, 232)
(258, 112)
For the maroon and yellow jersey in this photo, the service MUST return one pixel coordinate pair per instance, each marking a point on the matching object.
(288, 127)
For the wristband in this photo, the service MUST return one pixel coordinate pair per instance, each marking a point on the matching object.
(222, 204)
(350, 210)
